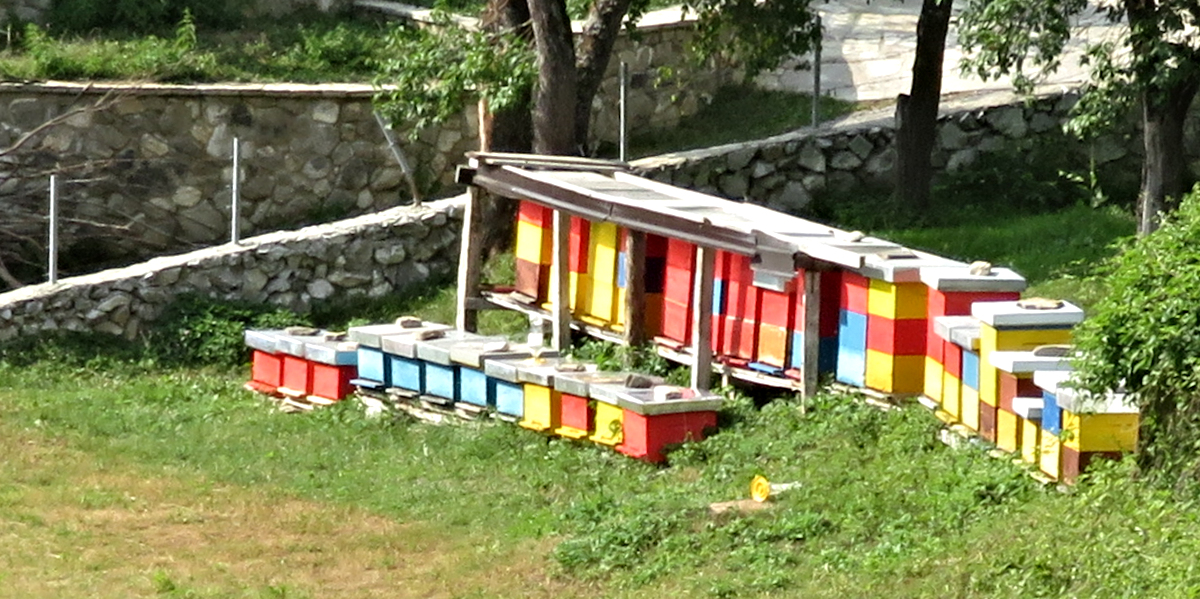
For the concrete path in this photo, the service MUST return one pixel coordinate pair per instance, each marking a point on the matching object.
(869, 47)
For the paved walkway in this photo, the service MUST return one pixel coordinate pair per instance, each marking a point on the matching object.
(869, 48)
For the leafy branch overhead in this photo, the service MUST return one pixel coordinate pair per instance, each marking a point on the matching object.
(759, 35)
(436, 71)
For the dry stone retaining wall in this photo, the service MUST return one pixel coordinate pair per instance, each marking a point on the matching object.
(374, 255)
(785, 172)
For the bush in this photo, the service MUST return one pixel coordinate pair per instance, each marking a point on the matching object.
(196, 330)
(1145, 334)
(138, 16)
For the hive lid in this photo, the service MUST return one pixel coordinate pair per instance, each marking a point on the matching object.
(543, 372)
(293, 345)
(263, 340)
(438, 350)
(610, 392)
(579, 383)
(405, 344)
(331, 351)
(960, 330)
(1026, 362)
(1025, 314)
(902, 265)
(372, 335)
(654, 402)
(1067, 397)
(961, 278)
(477, 352)
(1029, 408)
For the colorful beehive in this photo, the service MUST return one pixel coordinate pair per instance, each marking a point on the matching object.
(964, 345)
(373, 371)
(659, 417)
(678, 279)
(404, 371)
(500, 366)
(1015, 325)
(852, 329)
(1029, 410)
(608, 418)
(577, 416)
(441, 373)
(533, 250)
(334, 363)
(266, 363)
(655, 282)
(950, 391)
(578, 277)
(1092, 427)
(741, 312)
(777, 311)
(951, 291)
(296, 379)
(1015, 373)
(475, 387)
(543, 403)
(600, 308)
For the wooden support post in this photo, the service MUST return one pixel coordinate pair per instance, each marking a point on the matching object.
(560, 308)
(470, 263)
(812, 330)
(635, 288)
(702, 318)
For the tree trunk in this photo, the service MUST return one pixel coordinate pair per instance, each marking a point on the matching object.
(555, 97)
(595, 51)
(916, 113)
(510, 130)
(1164, 172)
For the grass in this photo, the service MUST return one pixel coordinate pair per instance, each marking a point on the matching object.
(742, 113)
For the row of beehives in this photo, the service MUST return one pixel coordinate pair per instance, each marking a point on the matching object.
(434, 369)
(878, 325)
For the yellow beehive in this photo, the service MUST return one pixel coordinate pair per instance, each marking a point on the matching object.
(894, 374)
(1030, 440)
(532, 242)
(1099, 432)
(602, 266)
(1048, 459)
(1008, 431)
(896, 300)
(934, 378)
(609, 421)
(542, 408)
(969, 414)
(952, 395)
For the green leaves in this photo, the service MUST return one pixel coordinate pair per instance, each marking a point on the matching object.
(1145, 335)
(759, 35)
(435, 72)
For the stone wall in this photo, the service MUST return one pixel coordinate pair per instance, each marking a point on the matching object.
(152, 170)
(24, 10)
(375, 255)
(785, 172)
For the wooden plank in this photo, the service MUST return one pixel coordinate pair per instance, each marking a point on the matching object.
(635, 288)
(812, 331)
(470, 263)
(560, 309)
(702, 318)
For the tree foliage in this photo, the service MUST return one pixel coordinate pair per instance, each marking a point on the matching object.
(1025, 39)
(435, 72)
(1144, 335)
(759, 35)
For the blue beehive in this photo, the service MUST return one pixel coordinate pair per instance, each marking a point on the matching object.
(852, 348)
(1051, 414)
(510, 399)
(442, 374)
(476, 386)
(402, 369)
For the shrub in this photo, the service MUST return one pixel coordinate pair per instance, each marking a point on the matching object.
(1145, 335)
(196, 330)
(138, 16)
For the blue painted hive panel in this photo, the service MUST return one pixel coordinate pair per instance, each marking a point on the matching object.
(475, 387)
(372, 365)
(441, 380)
(1051, 414)
(852, 348)
(970, 370)
(406, 373)
(510, 399)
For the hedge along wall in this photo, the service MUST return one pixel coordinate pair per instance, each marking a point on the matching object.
(374, 255)
(158, 160)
